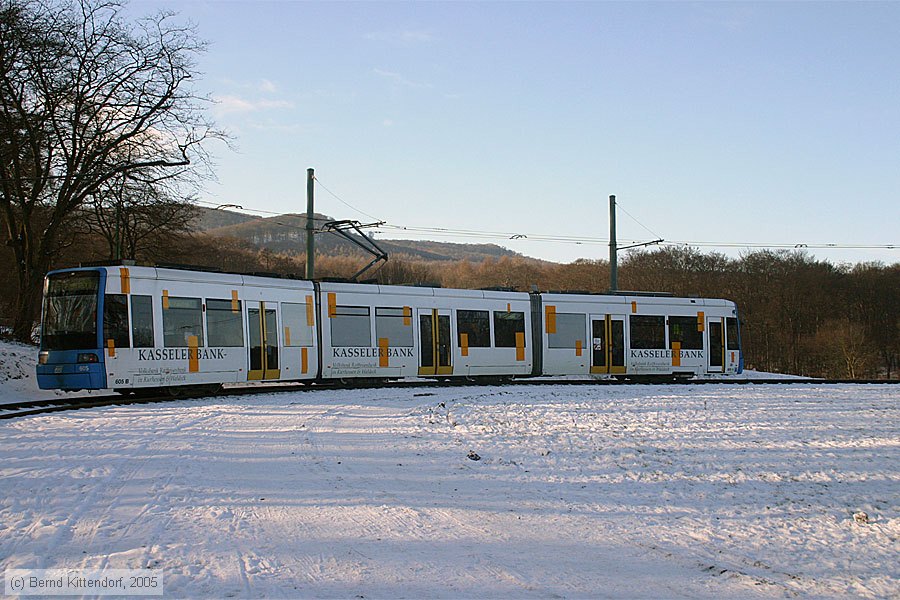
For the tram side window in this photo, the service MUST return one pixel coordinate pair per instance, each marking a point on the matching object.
(506, 326)
(390, 324)
(142, 321)
(224, 323)
(115, 320)
(476, 324)
(351, 326)
(297, 332)
(731, 328)
(684, 330)
(570, 329)
(648, 332)
(181, 320)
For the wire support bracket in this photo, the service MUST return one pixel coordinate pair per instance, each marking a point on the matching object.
(344, 229)
(659, 241)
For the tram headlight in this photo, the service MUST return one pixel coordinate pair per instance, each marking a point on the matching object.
(88, 357)
(43, 357)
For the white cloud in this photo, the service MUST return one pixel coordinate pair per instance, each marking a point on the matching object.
(266, 86)
(230, 104)
(400, 79)
(236, 104)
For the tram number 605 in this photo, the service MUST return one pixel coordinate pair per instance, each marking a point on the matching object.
(122, 381)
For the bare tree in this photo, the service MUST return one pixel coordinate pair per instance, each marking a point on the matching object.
(87, 97)
(138, 219)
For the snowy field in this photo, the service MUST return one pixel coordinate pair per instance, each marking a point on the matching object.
(600, 492)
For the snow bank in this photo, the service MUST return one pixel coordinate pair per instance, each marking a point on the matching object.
(18, 381)
(617, 492)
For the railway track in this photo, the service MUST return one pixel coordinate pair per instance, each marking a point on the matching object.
(35, 407)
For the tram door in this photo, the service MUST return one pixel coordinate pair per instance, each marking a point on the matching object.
(262, 325)
(716, 332)
(435, 347)
(608, 344)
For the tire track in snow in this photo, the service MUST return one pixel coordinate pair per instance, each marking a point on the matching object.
(391, 518)
(80, 528)
(66, 527)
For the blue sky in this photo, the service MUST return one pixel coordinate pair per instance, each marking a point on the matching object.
(764, 123)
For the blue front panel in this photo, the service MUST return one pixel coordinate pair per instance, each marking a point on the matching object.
(62, 374)
(62, 371)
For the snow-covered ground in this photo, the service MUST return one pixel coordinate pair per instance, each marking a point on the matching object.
(607, 491)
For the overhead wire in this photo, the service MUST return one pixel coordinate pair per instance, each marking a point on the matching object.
(798, 246)
(342, 201)
(453, 233)
(655, 235)
(241, 208)
(593, 240)
(578, 240)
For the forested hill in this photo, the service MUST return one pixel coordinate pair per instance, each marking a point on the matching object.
(210, 218)
(286, 234)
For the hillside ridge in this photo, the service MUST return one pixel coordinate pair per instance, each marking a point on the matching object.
(287, 234)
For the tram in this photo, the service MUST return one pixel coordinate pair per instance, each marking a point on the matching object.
(135, 328)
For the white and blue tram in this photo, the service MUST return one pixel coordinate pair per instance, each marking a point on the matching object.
(133, 329)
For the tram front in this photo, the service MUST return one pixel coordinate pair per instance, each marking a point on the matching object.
(71, 355)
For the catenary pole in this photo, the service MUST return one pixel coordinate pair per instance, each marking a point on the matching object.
(613, 250)
(310, 240)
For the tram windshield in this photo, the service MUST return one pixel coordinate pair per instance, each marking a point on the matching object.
(70, 311)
